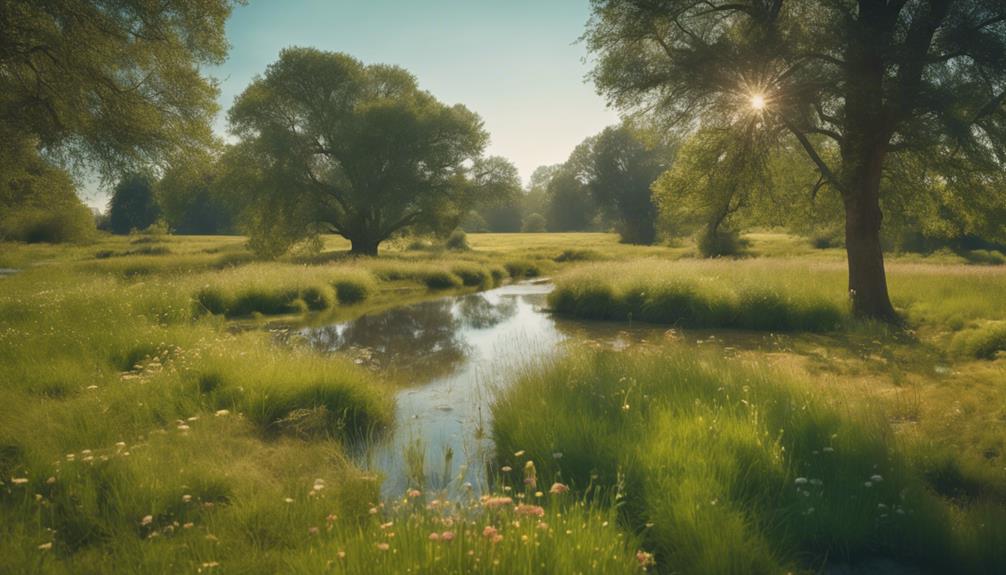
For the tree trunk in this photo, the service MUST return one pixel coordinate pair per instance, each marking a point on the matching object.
(364, 246)
(867, 278)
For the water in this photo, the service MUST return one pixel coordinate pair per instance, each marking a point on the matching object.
(454, 353)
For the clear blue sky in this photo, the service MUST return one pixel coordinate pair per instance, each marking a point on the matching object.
(517, 63)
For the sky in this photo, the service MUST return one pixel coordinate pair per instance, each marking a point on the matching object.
(517, 63)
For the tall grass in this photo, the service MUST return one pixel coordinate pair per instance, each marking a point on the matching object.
(271, 289)
(726, 469)
(700, 295)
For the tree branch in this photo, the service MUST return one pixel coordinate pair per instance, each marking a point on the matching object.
(826, 171)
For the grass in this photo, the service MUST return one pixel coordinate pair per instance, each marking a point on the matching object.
(142, 429)
(984, 342)
(739, 295)
(728, 469)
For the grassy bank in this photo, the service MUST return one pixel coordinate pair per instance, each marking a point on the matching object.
(784, 294)
(729, 469)
(777, 296)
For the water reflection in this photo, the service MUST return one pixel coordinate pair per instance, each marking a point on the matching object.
(455, 351)
(422, 338)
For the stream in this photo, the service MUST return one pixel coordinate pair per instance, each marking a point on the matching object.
(454, 353)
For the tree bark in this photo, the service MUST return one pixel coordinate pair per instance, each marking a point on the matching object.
(863, 218)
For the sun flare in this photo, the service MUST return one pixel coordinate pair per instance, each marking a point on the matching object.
(758, 102)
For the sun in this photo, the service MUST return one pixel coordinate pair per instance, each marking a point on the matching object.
(758, 102)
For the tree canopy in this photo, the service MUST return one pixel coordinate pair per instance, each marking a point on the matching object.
(886, 98)
(190, 196)
(38, 202)
(359, 150)
(111, 84)
(133, 205)
(618, 167)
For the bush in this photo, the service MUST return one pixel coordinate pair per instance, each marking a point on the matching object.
(985, 257)
(56, 224)
(419, 245)
(457, 241)
(823, 241)
(720, 243)
(533, 223)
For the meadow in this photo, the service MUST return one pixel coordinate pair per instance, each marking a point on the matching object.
(150, 422)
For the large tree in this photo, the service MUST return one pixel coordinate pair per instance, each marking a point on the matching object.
(133, 205)
(360, 151)
(109, 84)
(865, 88)
(190, 196)
(619, 166)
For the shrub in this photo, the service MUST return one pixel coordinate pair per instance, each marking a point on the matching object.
(985, 257)
(419, 244)
(457, 241)
(533, 223)
(67, 223)
(824, 240)
(720, 243)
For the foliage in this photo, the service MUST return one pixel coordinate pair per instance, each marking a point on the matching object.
(38, 202)
(457, 241)
(133, 205)
(190, 197)
(719, 171)
(110, 84)
(619, 166)
(719, 243)
(533, 223)
(570, 207)
(368, 153)
(894, 101)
